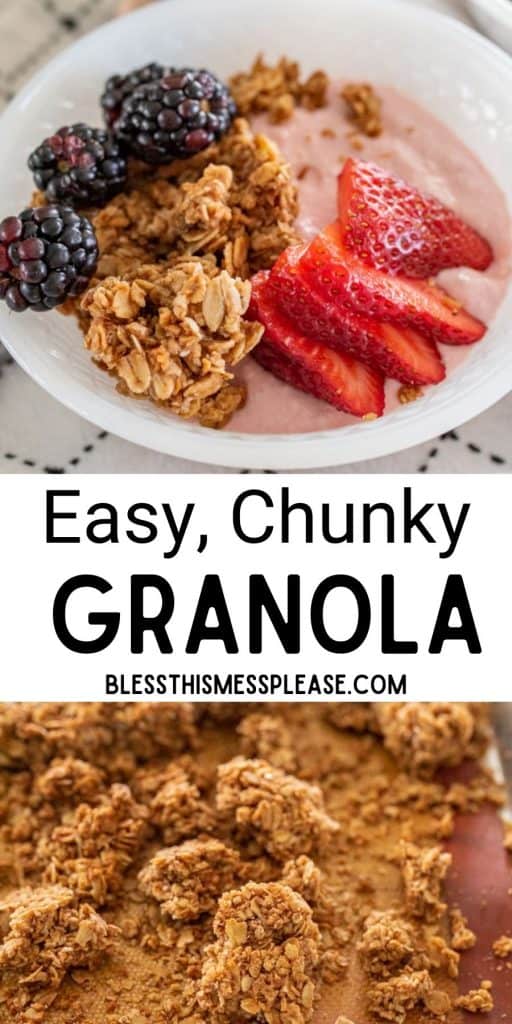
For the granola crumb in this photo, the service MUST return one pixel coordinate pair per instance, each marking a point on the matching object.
(409, 393)
(263, 961)
(502, 947)
(478, 1000)
(461, 935)
(423, 871)
(48, 933)
(187, 880)
(364, 108)
(178, 809)
(285, 815)
(277, 89)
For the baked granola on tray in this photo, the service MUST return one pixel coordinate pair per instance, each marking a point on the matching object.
(215, 864)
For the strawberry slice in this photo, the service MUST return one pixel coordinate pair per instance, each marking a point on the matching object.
(398, 352)
(342, 279)
(392, 226)
(289, 354)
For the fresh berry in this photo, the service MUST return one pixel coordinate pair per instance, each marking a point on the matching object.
(342, 279)
(46, 254)
(119, 87)
(392, 226)
(79, 165)
(288, 353)
(175, 117)
(398, 352)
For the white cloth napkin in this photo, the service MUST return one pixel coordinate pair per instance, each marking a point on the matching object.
(37, 434)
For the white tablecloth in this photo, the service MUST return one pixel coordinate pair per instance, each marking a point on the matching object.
(39, 435)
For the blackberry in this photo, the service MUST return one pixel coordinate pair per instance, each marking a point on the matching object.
(119, 87)
(79, 165)
(47, 253)
(181, 114)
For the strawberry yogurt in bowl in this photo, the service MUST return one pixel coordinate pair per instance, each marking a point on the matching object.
(446, 132)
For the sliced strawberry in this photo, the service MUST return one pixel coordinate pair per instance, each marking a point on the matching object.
(342, 279)
(339, 379)
(398, 352)
(392, 226)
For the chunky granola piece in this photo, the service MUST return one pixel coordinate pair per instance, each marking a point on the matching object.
(363, 107)
(389, 945)
(392, 999)
(424, 737)
(267, 736)
(461, 935)
(178, 809)
(478, 1000)
(69, 779)
(285, 815)
(502, 947)
(91, 851)
(262, 965)
(277, 90)
(187, 880)
(172, 337)
(47, 933)
(423, 871)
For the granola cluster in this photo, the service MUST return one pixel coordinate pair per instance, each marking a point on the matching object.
(283, 814)
(91, 851)
(165, 314)
(277, 89)
(424, 737)
(261, 966)
(187, 880)
(364, 108)
(47, 933)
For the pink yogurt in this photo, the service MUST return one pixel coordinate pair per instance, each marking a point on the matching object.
(423, 151)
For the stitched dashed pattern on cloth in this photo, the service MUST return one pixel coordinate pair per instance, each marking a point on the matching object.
(37, 435)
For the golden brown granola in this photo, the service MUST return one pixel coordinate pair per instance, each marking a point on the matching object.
(461, 935)
(187, 880)
(360, 717)
(283, 814)
(363, 107)
(277, 89)
(478, 1000)
(391, 1000)
(92, 850)
(389, 945)
(262, 964)
(48, 933)
(423, 737)
(165, 314)
(502, 947)
(178, 809)
(423, 871)
(409, 393)
(172, 334)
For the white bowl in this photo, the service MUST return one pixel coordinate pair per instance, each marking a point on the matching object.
(451, 70)
(494, 17)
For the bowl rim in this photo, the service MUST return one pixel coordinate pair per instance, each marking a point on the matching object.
(319, 449)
